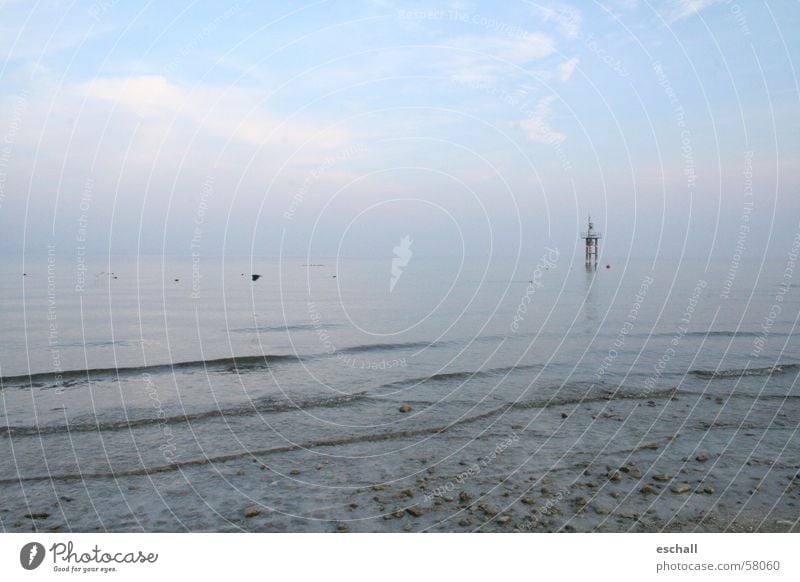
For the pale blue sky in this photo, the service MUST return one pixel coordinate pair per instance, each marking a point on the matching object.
(340, 127)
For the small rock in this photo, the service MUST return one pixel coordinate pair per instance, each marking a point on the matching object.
(405, 408)
(252, 511)
(528, 501)
(415, 511)
(517, 426)
(582, 502)
(681, 489)
(615, 476)
(407, 527)
(294, 472)
(399, 513)
(647, 489)
(378, 487)
(651, 446)
(662, 477)
(354, 506)
(503, 519)
(407, 492)
(600, 510)
(466, 522)
(615, 494)
(564, 415)
(702, 457)
(40, 515)
(342, 527)
(464, 496)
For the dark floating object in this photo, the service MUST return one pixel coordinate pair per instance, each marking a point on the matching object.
(334, 276)
(176, 280)
(24, 274)
(255, 277)
(608, 266)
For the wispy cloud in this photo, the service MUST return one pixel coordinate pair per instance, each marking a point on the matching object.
(566, 69)
(680, 9)
(537, 127)
(230, 113)
(567, 19)
(488, 57)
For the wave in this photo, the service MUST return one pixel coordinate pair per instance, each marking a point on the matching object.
(458, 376)
(375, 437)
(71, 377)
(233, 364)
(279, 328)
(388, 347)
(264, 406)
(723, 333)
(738, 372)
(334, 442)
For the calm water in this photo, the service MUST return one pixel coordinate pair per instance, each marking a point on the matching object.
(167, 394)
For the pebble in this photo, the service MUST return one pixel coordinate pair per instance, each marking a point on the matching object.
(378, 487)
(405, 408)
(615, 476)
(294, 472)
(702, 457)
(41, 515)
(466, 522)
(342, 527)
(564, 415)
(662, 477)
(252, 511)
(415, 511)
(407, 492)
(517, 426)
(503, 520)
(681, 489)
(407, 527)
(647, 489)
(528, 500)
(464, 496)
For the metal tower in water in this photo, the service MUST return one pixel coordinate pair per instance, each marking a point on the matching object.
(591, 236)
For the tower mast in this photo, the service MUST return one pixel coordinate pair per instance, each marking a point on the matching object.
(591, 236)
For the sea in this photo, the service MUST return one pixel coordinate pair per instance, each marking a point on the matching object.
(399, 394)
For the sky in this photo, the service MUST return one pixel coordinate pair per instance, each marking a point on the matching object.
(338, 128)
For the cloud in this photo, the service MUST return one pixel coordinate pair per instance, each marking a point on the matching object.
(567, 18)
(566, 69)
(680, 9)
(485, 58)
(227, 112)
(537, 126)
